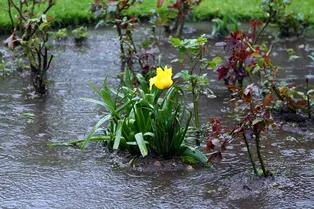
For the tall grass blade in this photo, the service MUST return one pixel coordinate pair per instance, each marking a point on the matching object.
(96, 102)
(141, 144)
(118, 135)
(91, 133)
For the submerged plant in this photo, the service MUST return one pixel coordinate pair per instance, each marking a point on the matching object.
(80, 34)
(61, 34)
(182, 8)
(245, 56)
(34, 32)
(255, 118)
(295, 100)
(4, 70)
(221, 26)
(113, 13)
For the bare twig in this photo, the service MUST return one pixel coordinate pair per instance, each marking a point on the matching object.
(10, 15)
(51, 3)
(250, 154)
(50, 59)
(19, 10)
(258, 150)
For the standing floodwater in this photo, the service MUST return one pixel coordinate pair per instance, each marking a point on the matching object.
(34, 175)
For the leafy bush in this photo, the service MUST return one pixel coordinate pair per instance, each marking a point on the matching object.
(34, 38)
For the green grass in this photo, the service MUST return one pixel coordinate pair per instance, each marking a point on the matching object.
(65, 13)
(246, 9)
(71, 12)
(75, 12)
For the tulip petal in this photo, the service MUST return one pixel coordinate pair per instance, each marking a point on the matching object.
(152, 81)
(163, 78)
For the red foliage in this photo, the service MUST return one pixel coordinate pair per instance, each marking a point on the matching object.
(217, 140)
(255, 23)
(256, 117)
(243, 55)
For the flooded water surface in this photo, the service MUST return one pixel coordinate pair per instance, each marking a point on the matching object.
(34, 175)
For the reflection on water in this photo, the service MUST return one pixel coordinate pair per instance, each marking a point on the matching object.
(34, 175)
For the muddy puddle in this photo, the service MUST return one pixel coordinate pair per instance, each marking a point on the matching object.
(34, 175)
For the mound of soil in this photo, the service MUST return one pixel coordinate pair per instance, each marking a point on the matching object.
(150, 164)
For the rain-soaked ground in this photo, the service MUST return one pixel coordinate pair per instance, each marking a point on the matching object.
(34, 175)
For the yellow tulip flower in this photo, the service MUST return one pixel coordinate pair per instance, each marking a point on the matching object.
(163, 78)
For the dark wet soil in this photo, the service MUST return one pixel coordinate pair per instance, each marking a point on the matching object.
(295, 123)
(245, 186)
(150, 164)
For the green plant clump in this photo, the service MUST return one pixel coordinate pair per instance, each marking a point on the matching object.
(80, 34)
(221, 26)
(143, 120)
(61, 34)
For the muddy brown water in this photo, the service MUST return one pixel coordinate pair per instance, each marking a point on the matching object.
(34, 175)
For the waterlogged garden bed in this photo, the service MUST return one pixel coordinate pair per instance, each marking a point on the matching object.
(34, 175)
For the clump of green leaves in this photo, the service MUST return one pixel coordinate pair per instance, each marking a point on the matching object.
(80, 34)
(4, 70)
(222, 27)
(143, 121)
(61, 34)
(20, 64)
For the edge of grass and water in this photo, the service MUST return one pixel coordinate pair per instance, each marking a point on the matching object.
(68, 13)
